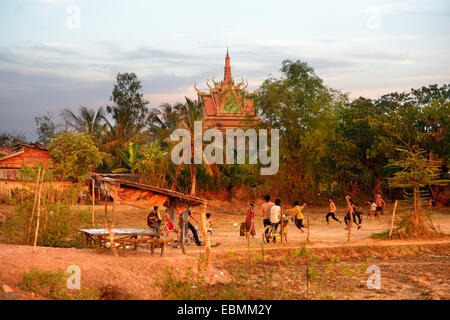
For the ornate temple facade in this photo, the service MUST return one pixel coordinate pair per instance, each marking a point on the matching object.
(227, 105)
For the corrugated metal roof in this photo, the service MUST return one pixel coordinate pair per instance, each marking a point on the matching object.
(174, 196)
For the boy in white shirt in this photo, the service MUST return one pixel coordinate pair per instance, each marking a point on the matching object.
(275, 215)
(373, 209)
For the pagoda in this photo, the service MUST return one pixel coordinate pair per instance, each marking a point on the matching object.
(227, 105)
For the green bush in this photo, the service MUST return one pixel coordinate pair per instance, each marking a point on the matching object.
(186, 288)
(53, 284)
(61, 226)
(58, 226)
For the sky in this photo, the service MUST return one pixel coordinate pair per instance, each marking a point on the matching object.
(57, 54)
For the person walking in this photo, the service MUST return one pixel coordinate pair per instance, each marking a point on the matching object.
(250, 220)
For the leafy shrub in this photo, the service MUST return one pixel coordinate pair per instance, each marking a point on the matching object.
(53, 285)
(186, 288)
(59, 224)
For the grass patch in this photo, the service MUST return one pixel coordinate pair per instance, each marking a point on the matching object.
(58, 226)
(53, 285)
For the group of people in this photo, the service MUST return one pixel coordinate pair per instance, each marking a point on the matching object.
(353, 212)
(272, 213)
(155, 222)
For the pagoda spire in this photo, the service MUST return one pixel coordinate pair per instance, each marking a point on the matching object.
(227, 74)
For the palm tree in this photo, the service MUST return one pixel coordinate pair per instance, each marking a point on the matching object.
(87, 121)
(162, 121)
(119, 135)
(189, 112)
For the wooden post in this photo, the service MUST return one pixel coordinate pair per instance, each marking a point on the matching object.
(173, 214)
(183, 226)
(111, 226)
(281, 228)
(93, 201)
(106, 211)
(350, 222)
(38, 210)
(34, 204)
(307, 235)
(307, 277)
(206, 236)
(393, 217)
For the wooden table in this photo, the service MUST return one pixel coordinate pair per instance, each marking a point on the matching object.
(125, 237)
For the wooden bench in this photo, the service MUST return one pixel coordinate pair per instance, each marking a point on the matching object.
(154, 243)
(125, 237)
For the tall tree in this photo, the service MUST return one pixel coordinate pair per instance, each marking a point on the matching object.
(361, 145)
(189, 112)
(8, 140)
(419, 120)
(46, 128)
(301, 107)
(129, 113)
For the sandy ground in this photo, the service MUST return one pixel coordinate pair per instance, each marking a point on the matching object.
(136, 272)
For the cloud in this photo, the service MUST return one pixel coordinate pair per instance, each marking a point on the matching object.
(416, 78)
(374, 93)
(62, 2)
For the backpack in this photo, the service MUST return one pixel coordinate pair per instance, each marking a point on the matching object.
(243, 230)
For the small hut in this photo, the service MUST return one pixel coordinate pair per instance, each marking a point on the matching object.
(141, 196)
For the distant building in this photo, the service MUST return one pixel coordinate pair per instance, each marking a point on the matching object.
(29, 154)
(227, 105)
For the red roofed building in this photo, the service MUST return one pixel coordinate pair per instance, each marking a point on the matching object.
(28, 154)
(227, 105)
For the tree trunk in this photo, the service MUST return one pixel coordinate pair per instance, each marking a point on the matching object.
(376, 184)
(34, 205)
(206, 236)
(106, 211)
(177, 171)
(193, 178)
(93, 202)
(113, 221)
(38, 210)
(182, 234)
(416, 210)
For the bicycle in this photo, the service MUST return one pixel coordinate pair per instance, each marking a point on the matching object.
(269, 232)
(189, 239)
